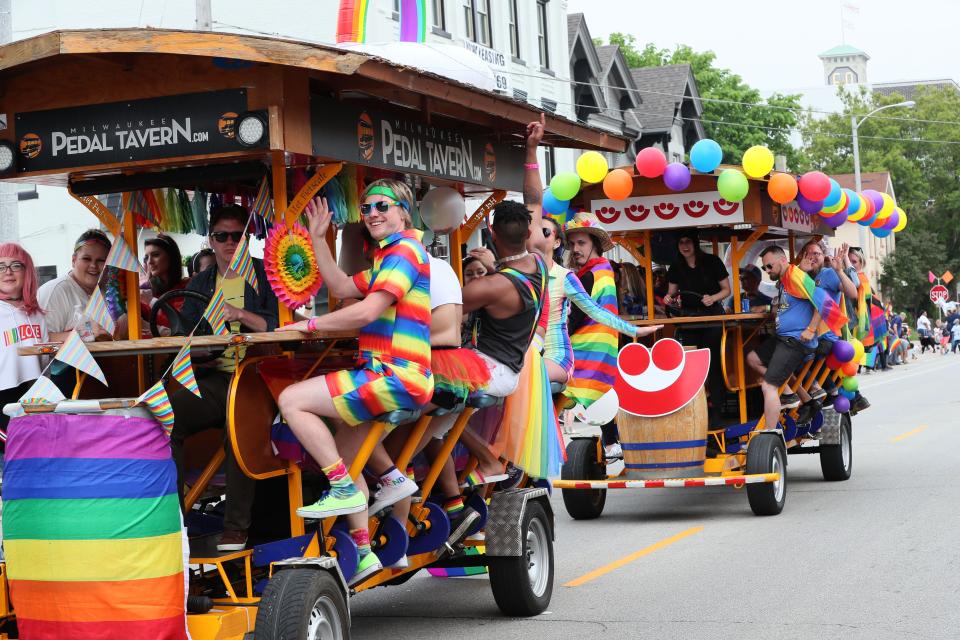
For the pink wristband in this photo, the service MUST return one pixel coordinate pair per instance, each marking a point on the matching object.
(531, 166)
(312, 324)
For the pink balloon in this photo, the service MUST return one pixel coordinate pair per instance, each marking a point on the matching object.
(815, 186)
(651, 162)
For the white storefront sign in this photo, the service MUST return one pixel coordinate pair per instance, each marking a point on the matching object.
(666, 211)
(496, 60)
(796, 219)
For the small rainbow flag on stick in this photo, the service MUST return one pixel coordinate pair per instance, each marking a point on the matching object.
(97, 310)
(121, 257)
(263, 205)
(182, 371)
(158, 403)
(242, 263)
(214, 314)
(74, 353)
(42, 391)
(799, 285)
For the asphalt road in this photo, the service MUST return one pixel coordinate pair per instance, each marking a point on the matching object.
(875, 557)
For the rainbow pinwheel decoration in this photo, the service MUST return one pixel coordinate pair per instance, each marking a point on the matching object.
(291, 265)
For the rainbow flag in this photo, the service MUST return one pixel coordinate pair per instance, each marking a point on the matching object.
(242, 263)
(864, 296)
(595, 345)
(214, 314)
(352, 21)
(142, 209)
(800, 285)
(121, 257)
(182, 371)
(158, 404)
(92, 528)
(98, 312)
(413, 20)
(42, 391)
(262, 205)
(74, 353)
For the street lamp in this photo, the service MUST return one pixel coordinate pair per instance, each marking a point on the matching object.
(855, 126)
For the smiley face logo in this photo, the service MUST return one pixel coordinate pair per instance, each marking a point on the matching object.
(659, 381)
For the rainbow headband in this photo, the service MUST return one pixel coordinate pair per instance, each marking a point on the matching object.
(381, 190)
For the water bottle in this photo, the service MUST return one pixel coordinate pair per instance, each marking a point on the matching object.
(745, 305)
(81, 322)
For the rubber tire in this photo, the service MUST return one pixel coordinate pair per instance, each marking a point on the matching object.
(831, 455)
(760, 459)
(509, 579)
(284, 610)
(582, 464)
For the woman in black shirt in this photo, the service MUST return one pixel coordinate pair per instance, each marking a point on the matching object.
(699, 282)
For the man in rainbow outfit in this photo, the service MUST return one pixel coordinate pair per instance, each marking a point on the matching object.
(595, 345)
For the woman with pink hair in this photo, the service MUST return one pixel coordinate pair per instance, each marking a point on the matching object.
(21, 324)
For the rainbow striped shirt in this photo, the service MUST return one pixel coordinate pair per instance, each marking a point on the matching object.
(401, 335)
(595, 345)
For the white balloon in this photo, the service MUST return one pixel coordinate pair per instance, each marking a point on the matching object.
(600, 412)
(442, 209)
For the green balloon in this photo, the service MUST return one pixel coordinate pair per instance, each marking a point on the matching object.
(565, 185)
(850, 384)
(733, 185)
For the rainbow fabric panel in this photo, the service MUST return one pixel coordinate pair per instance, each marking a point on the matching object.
(798, 284)
(595, 345)
(92, 529)
(413, 20)
(352, 21)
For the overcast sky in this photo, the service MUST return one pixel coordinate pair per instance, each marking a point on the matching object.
(771, 43)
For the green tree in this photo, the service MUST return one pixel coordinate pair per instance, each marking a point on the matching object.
(904, 278)
(737, 125)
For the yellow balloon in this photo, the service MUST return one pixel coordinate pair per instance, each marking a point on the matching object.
(888, 207)
(857, 349)
(757, 161)
(903, 221)
(592, 167)
(859, 212)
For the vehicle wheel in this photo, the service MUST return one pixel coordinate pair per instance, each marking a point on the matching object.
(836, 460)
(766, 454)
(302, 604)
(523, 585)
(582, 464)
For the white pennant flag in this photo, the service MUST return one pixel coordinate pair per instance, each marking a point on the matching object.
(43, 390)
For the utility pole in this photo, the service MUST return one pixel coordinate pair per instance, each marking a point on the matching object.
(9, 211)
(204, 16)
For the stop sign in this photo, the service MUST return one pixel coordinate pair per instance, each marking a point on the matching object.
(939, 293)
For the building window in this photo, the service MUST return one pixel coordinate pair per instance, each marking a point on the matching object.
(548, 105)
(477, 16)
(849, 77)
(549, 163)
(439, 15)
(542, 41)
(514, 30)
(837, 78)
(520, 94)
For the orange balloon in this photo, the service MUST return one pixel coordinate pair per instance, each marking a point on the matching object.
(782, 188)
(849, 369)
(618, 185)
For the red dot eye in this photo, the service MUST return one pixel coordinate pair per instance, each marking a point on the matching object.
(634, 360)
(667, 355)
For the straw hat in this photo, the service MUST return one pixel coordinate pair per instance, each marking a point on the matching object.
(586, 222)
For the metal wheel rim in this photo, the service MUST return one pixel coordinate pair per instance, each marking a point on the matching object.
(845, 448)
(776, 466)
(538, 558)
(324, 623)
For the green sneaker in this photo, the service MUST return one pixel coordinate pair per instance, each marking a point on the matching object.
(331, 505)
(368, 565)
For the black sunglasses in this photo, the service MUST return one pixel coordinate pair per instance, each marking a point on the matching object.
(221, 236)
(768, 267)
(547, 232)
(382, 207)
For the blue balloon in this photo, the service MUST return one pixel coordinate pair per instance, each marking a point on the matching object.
(881, 232)
(835, 194)
(849, 395)
(851, 199)
(706, 155)
(552, 205)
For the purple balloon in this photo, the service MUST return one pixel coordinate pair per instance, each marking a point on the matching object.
(841, 405)
(892, 221)
(843, 351)
(809, 206)
(835, 220)
(676, 176)
(875, 197)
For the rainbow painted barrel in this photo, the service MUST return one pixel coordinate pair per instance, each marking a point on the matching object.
(671, 446)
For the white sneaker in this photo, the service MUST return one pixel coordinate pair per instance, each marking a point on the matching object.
(391, 493)
(402, 563)
(613, 451)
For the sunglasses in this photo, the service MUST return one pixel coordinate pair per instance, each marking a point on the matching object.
(221, 236)
(547, 232)
(768, 267)
(382, 207)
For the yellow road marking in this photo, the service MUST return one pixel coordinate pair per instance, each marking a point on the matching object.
(912, 432)
(602, 571)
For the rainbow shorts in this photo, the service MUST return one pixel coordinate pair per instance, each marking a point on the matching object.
(360, 395)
